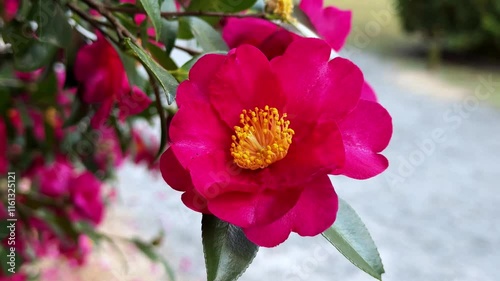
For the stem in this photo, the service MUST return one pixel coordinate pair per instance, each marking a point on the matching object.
(132, 10)
(187, 50)
(91, 20)
(120, 29)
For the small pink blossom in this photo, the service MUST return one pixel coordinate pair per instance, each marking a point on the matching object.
(103, 82)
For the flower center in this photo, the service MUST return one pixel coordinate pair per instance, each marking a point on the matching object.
(262, 139)
(281, 8)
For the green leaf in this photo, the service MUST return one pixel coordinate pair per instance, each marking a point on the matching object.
(228, 252)
(152, 8)
(45, 94)
(29, 53)
(350, 236)
(169, 34)
(161, 57)
(209, 39)
(221, 5)
(166, 80)
(53, 26)
(60, 225)
(149, 251)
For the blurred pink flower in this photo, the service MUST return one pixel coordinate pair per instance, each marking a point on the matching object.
(108, 152)
(54, 178)
(145, 148)
(86, 196)
(10, 9)
(103, 82)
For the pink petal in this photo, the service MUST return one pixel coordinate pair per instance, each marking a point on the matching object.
(366, 132)
(200, 75)
(331, 23)
(317, 147)
(314, 212)
(179, 179)
(314, 85)
(252, 31)
(102, 114)
(367, 93)
(196, 129)
(248, 209)
(133, 102)
(173, 173)
(277, 43)
(244, 81)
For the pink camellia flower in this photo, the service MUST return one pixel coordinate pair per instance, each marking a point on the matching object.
(145, 148)
(254, 140)
(10, 8)
(331, 23)
(54, 178)
(86, 197)
(103, 81)
(273, 40)
(108, 152)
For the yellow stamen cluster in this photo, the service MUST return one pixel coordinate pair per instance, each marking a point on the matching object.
(281, 8)
(262, 139)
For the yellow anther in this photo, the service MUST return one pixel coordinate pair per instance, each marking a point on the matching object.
(262, 138)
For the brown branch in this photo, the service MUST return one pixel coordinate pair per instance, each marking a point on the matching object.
(133, 10)
(120, 29)
(188, 50)
(97, 25)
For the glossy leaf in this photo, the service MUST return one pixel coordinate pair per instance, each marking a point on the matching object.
(53, 26)
(152, 8)
(165, 79)
(209, 39)
(350, 236)
(29, 53)
(221, 5)
(228, 252)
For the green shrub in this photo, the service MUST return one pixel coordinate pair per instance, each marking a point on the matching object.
(458, 25)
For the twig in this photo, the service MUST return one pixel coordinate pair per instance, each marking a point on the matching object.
(188, 50)
(133, 10)
(120, 29)
(90, 20)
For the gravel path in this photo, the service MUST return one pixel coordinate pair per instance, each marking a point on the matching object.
(434, 214)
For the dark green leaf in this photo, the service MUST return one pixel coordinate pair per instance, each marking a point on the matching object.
(53, 26)
(229, 6)
(228, 252)
(350, 236)
(166, 80)
(161, 57)
(29, 53)
(60, 225)
(152, 8)
(169, 34)
(209, 39)
(4, 231)
(46, 91)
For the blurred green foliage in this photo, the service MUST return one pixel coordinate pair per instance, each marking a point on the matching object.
(457, 25)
